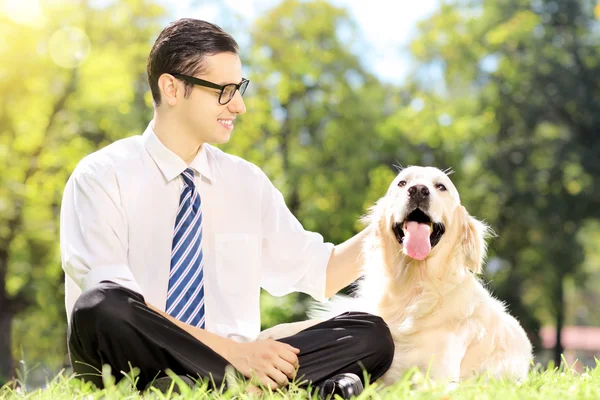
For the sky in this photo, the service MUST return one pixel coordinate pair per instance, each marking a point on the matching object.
(386, 25)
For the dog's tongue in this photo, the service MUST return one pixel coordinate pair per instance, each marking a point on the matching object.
(416, 240)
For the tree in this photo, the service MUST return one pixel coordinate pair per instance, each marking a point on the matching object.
(313, 110)
(532, 67)
(80, 86)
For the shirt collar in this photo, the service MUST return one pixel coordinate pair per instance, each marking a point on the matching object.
(170, 164)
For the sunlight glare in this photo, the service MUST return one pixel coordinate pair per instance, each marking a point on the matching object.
(69, 47)
(25, 12)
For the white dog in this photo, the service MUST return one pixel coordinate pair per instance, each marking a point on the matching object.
(420, 275)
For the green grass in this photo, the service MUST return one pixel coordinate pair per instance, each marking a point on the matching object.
(552, 383)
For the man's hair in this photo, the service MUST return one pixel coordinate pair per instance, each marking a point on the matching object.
(182, 47)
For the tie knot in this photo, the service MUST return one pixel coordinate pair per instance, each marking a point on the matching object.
(188, 177)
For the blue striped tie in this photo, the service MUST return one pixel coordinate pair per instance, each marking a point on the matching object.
(185, 297)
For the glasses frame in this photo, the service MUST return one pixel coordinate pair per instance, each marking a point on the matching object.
(242, 86)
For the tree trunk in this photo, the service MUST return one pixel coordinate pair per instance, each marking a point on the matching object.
(293, 199)
(6, 361)
(511, 293)
(560, 320)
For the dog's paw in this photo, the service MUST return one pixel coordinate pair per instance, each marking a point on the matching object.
(451, 386)
(276, 332)
(264, 335)
(285, 330)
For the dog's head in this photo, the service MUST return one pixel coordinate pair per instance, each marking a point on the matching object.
(421, 217)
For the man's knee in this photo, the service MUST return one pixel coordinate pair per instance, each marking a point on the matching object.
(378, 335)
(374, 342)
(385, 348)
(104, 303)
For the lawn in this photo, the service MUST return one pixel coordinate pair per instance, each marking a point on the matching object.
(552, 383)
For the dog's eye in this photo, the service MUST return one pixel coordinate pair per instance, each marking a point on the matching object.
(440, 187)
(402, 183)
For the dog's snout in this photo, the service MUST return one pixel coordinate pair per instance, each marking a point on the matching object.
(417, 191)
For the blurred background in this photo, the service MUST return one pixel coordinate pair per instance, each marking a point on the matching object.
(504, 92)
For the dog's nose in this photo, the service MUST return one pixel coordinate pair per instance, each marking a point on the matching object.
(417, 191)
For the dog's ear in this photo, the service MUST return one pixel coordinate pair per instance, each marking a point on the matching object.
(474, 243)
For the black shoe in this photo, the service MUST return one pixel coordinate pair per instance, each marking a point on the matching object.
(343, 385)
(163, 384)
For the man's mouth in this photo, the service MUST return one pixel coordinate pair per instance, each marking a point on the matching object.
(227, 123)
(418, 234)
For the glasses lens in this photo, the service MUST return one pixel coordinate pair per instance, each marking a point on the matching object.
(243, 87)
(227, 94)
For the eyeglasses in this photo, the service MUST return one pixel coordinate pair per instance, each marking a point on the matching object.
(227, 91)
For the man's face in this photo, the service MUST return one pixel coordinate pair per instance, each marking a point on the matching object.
(206, 119)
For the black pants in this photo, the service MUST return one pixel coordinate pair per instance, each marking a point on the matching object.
(112, 325)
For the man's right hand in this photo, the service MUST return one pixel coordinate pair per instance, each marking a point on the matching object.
(272, 363)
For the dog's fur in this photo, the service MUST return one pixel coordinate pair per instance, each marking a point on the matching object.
(442, 318)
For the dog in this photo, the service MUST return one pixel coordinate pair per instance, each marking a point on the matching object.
(423, 256)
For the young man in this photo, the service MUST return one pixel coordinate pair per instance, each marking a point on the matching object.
(166, 242)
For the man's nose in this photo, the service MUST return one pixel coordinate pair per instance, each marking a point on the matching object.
(237, 105)
(418, 192)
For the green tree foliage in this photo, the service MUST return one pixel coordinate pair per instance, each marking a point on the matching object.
(72, 80)
(532, 67)
(312, 120)
(504, 92)
(313, 114)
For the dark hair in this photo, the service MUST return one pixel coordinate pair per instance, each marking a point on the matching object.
(182, 47)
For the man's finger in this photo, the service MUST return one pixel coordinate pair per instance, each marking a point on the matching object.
(290, 357)
(253, 390)
(267, 382)
(292, 348)
(286, 367)
(278, 376)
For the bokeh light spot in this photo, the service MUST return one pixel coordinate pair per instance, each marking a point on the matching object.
(69, 47)
(25, 12)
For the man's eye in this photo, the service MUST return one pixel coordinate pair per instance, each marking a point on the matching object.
(440, 187)
(402, 183)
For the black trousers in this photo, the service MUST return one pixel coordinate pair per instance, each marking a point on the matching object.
(112, 325)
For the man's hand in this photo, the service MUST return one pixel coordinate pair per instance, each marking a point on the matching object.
(272, 363)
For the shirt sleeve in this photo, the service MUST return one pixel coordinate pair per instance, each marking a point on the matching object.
(294, 260)
(93, 231)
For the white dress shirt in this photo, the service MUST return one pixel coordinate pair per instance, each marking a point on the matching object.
(117, 219)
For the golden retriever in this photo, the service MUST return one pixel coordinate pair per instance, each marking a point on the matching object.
(422, 260)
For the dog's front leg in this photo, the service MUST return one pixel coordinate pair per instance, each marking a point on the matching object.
(285, 330)
(447, 356)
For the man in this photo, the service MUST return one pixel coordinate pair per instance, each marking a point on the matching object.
(171, 239)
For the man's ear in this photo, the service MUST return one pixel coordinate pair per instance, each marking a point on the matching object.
(168, 86)
(474, 244)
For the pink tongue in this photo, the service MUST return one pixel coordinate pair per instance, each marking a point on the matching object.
(416, 240)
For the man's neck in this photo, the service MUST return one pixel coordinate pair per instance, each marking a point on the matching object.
(176, 138)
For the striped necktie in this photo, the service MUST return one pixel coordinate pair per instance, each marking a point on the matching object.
(185, 297)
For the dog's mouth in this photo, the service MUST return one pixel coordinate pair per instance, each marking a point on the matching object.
(418, 234)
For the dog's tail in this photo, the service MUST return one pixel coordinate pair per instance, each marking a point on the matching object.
(335, 306)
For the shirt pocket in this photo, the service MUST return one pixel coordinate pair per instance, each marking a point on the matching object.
(238, 262)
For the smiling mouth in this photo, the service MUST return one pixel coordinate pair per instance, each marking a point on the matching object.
(418, 233)
(227, 123)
